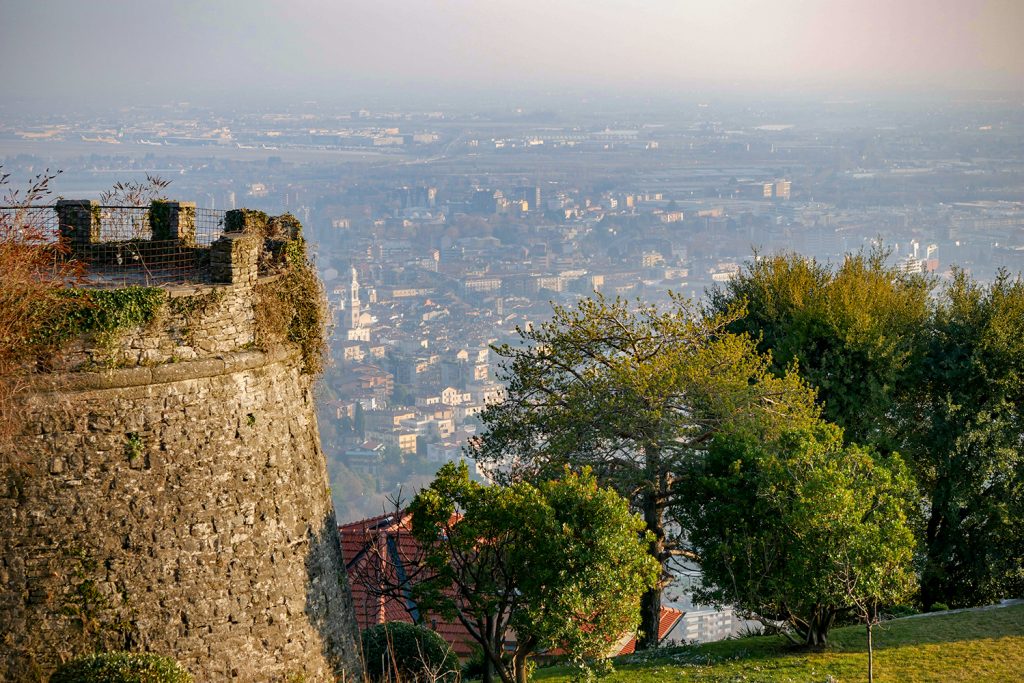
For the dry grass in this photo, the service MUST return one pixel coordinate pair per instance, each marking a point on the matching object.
(292, 307)
(34, 267)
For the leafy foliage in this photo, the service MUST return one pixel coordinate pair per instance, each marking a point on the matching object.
(121, 667)
(801, 529)
(563, 563)
(853, 332)
(965, 435)
(635, 393)
(293, 307)
(396, 651)
(101, 312)
(938, 379)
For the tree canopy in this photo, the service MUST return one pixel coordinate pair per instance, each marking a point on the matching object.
(636, 393)
(801, 529)
(853, 331)
(562, 563)
(965, 433)
(935, 374)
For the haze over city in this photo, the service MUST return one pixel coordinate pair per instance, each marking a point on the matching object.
(833, 189)
(319, 49)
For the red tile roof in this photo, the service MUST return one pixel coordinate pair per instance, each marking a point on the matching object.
(364, 542)
(669, 618)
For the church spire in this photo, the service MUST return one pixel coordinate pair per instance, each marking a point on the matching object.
(353, 301)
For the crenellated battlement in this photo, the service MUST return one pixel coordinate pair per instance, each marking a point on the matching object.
(164, 244)
(190, 295)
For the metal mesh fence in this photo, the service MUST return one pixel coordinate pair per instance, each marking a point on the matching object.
(125, 245)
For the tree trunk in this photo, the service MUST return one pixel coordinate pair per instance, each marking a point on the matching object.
(932, 588)
(522, 675)
(488, 664)
(650, 615)
(521, 658)
(488, 670)
(650, 602)
(871, 656)
(818, 626)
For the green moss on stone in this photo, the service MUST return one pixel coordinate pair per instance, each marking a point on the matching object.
(100, 312)
(246, 220)
(292, 307)
(160, 216)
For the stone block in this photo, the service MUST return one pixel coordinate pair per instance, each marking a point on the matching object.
(233, 259)
(79, 221)
(173, 221)
(246, 220)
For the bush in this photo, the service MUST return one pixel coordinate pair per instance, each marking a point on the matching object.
(898, 611)
(399, 651)
(474, 666)
(121, 667)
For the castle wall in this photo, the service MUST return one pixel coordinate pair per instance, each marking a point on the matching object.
(177, 503)
(198, 321)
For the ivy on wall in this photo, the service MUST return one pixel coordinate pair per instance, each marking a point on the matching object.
(289, 307)
(104, 313)
(292, 307)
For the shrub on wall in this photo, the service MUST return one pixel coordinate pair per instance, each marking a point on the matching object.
(121, 667)
(104, 313)
(32, 269)
(293, 308)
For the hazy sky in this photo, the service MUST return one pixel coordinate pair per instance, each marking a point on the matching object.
(190, 49)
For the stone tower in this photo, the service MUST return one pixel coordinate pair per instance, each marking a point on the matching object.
(167, 491)
(353, 302)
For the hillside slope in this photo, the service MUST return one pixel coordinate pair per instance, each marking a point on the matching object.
(976, 645)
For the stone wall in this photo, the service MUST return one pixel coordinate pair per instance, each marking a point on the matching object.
(176, 507)
(198, 321)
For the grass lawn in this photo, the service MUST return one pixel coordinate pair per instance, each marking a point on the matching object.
(968, 646)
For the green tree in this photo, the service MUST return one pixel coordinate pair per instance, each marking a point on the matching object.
(938, 378)
(965, 435)
(561, 563)
(854, 332)
(359, 420)
(802, 529)
(402, 396)
(635, 393)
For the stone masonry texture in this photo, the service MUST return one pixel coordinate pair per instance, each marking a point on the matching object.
(175, 507)
(221, 320)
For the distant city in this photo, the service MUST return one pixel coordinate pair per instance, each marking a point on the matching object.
(438, 233)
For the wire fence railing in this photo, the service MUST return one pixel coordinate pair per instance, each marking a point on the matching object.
(165, 243)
